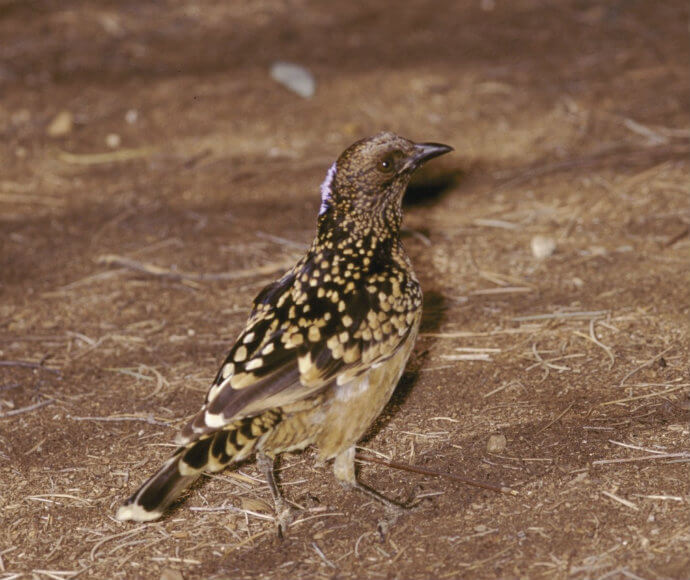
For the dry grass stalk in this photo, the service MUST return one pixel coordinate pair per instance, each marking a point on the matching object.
(160, 272)
(648, 396)
(502, 290)
(557, 315)
(681, 455)
(558, 418)
(109, 157)
(620, 500)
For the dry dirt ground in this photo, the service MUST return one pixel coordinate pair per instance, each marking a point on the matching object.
(127, 269)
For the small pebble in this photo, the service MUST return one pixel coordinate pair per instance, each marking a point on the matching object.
(61, 125)
(496, 444)
(295, 77)
(542, 246)
(113, 140)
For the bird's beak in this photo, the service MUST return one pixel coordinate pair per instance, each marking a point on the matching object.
(425, 151)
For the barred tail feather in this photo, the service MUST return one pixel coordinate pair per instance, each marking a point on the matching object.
(159, 491)
(209, 453)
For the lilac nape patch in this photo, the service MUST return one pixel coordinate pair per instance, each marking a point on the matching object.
(326, 191)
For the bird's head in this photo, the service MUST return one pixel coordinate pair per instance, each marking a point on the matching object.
(367, 182)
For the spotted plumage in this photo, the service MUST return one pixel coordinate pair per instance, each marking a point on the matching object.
(324, 346)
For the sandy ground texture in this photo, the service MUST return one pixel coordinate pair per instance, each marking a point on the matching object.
(153, 177)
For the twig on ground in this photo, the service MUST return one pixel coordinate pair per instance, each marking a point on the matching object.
(160, 272)
(435, 473)
(619, 499)
(150, 420)
(645, 364)
(544, 363)
(634, 155)
(109, 157)
(558, 418)
(502, 290)
(648, 396)
(21, 410)
(583, 314)
(680, 455)
(595, 340)
(28, 364)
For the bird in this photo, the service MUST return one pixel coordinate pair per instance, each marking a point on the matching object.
(324, 345)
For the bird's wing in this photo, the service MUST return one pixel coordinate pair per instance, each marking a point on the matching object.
(299, 339)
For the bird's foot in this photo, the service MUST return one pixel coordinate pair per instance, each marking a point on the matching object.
(285, 515)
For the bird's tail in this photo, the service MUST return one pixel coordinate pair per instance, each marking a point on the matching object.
(211, 452)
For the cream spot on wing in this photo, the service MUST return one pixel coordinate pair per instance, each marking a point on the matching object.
(347, 321)
(242, 380)
(314, 334)
(240, 354)
(352, 354)
(304, 363)
(255, 363)
(228, 370)
(248, 337)
(214, 419)
(268, 349)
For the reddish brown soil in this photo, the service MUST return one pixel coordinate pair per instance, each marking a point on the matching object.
(570, 120)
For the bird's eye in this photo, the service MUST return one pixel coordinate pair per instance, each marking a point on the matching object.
(386, 165)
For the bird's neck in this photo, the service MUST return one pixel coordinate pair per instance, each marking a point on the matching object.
(378, 232)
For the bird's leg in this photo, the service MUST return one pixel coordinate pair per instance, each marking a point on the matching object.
(344, 471)
(284, 512)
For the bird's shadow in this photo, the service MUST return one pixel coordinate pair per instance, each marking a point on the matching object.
(429, 186)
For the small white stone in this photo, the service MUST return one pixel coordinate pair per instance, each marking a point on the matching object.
(496, 444)
(113, 140)
(295, 77)
(542, 246)
(61, 125)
